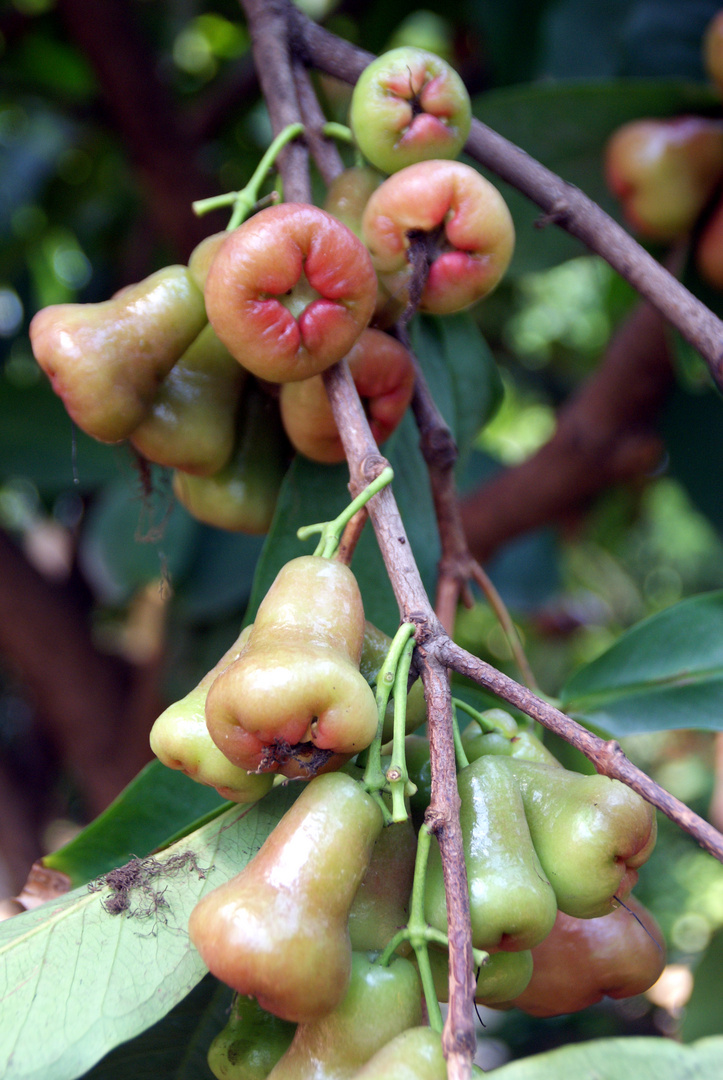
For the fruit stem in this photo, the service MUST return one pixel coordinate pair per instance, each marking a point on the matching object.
(330, 531)
(397, 774)
(374, 776)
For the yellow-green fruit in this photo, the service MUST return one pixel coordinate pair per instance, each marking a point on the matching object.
(503, 976)
(107, 361)
(180, 739)
(250, 1044)
(192, 421)
(381, 905)
(278, 930)
(242, 496)
(380, 1003)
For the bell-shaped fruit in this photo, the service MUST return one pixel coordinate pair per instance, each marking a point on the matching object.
(513, 743)
(408, 106)
(180, 739)
(296, 695)
(383, 374)
(512, 904)
(583, 960)
(203, 255)
(250, 1044)
(381, 905)
(290, 291)
(278, 930)
(107, 361)
(664, 172)
(461, 220)
(379, 1004)
(504, 975)
(374, 652)
(191, 424)
(242, 496)
(415, 1054)
(591, 834)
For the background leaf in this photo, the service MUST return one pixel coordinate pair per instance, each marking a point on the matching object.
(77, 981)
(156, 806)
(666, 672)
(610, 1059)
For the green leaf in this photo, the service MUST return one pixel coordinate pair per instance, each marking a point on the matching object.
(666, 672)
(176, 1047)
(461, 372)
(312, 493)
(77, 980)
(565, 126)
(703, 1014)
(154, 807)
(645, 1058)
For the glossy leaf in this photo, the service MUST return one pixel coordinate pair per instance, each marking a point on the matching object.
(152, 809)
(666, 672)
(176, 1047)
(645, 1058)
(78, 980)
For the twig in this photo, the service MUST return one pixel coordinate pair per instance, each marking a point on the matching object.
(562, 203)
(323, 150)
(606, 756)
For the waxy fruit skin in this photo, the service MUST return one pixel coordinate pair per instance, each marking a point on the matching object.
(512, 904)
(107, 361)
(191, 424)
(250, 1044)
(469, 230)
(297, 684)
(379, 1004)
(383, 374)
(664, 172)
(348, 194)
(381, 904)
(290, 291)
(583, 960)
(503, 976)
(180, 739)
(242, 495)
(409, 105)
(591, 834)
(278, 930)
(415, 1054)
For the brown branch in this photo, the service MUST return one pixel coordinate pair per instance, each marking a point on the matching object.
(144, 113)
(268, 26)
(323, 149)
(604, 436)
(562, 203)
(607, 757)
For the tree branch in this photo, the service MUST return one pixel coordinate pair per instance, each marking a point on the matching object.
(563, 204)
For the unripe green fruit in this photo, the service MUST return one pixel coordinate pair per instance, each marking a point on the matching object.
(408, 106)
(278, 930)
(348, 194)
(380, 1003)
(381, 905)
(416, 1054)
(250, 1044)
(242, 496)
(503, 976)
(107, 361)
(295, 700)
(591, 834)
(180, 739)
(192, 422)
(512, 904)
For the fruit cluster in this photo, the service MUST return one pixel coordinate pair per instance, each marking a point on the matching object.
(200, 367)
(332, 931)
(667, 173)
(317, 927)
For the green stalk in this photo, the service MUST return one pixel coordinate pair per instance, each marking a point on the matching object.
(331, 531)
